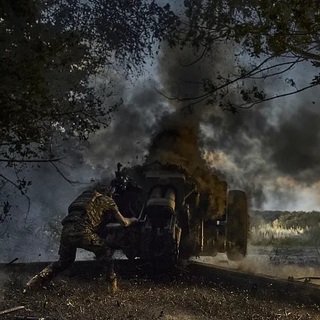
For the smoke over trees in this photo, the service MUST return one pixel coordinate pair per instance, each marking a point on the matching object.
(50, 52)
(267, 39)
(270, 147)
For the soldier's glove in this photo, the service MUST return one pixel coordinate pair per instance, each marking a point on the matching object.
(133, 220)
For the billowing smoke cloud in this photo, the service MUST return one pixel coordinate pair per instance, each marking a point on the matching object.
(278, 160)
(295, 152)
(129, 134)
(216, 134)
(270, 150)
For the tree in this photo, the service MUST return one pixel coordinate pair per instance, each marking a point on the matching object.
(50, 51)
(276, 35)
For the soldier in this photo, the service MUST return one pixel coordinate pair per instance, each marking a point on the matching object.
(82, 228)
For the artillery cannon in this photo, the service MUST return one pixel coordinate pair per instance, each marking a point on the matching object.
(177, 219)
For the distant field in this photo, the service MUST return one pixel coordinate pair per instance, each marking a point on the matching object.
(284, 228)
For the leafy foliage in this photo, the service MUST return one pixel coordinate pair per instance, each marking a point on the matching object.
(274, 36)
(50, 51)
(262, 26)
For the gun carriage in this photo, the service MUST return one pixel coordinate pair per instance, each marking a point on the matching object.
(177, 219)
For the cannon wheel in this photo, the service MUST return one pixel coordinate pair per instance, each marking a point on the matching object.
(237, 225)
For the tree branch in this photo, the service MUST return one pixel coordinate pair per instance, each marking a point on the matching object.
(291, 64)
(30, 160)
(18, 188)
(306, 54)
(196, 60)
(200, 98)
(246, 106)
(65, 178)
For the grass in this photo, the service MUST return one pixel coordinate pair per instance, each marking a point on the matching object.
(287, 229)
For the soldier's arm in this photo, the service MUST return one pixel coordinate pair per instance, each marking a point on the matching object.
(124, 221)
(110, 205)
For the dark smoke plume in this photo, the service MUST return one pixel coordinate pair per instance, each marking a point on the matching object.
(270, 151)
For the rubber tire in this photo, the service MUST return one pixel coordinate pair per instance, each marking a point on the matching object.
(237, 225)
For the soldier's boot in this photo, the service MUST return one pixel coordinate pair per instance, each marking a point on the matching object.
(41, 279)
(112, 283)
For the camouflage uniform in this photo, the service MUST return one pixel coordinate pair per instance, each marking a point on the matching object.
(82, 228)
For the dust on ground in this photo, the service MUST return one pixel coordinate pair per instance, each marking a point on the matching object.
(178, 298)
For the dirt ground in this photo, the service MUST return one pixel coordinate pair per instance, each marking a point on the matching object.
(180, 297)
